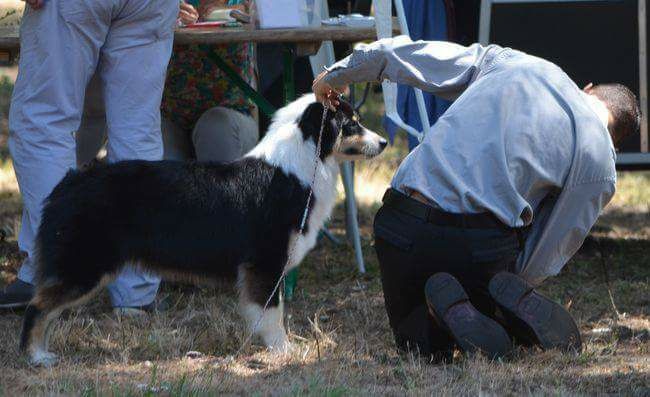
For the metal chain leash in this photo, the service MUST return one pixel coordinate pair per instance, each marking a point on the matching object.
(300, 231)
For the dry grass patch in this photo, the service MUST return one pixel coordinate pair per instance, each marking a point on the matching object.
(344, 345)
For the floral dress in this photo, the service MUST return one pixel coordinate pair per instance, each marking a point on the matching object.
(196, 84)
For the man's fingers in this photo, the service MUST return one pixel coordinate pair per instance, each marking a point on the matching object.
(188, 13)
(326, 93)
(320, 76)
(186, 7)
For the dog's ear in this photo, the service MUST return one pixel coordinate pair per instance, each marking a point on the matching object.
(343, 112)
(310, 124)
(345, 107)
(310, 120)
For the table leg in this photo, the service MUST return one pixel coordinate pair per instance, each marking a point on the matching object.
(287, 75)
(289, 87)
(351, 212)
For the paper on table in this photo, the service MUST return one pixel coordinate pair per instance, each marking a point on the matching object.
(280, 13)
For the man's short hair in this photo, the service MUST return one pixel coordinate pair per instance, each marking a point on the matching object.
(624, 107)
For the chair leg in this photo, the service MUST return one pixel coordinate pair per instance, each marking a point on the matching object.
(352, 221)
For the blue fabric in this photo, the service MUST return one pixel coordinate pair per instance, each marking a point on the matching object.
(427, 20)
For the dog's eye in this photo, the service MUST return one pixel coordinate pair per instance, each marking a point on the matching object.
(356, 118)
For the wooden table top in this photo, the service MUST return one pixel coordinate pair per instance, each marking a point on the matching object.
(9, 36)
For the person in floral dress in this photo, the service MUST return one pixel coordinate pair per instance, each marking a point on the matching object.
(205, 115)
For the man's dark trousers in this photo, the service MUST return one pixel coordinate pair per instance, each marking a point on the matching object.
(415, 241)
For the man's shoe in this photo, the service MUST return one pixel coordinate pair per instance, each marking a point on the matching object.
(533, 317)
(130, 312)
(449, 304)
(16, 295)
(158, 305)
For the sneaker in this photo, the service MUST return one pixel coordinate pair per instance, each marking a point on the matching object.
(16, 295)
(130, 312)
(449, 304)
(532, 317)
(158, 305)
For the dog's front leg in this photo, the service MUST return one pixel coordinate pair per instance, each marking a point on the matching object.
(255, 287)
(270, 328)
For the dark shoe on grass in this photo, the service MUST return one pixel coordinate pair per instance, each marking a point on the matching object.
(532, 317)
(16, 295)
(160, 304)
(449, 304)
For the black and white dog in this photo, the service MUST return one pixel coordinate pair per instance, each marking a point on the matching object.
(196, 221)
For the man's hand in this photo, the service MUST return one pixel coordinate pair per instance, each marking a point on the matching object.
(188, 14)
(35, 4)
(326, 93)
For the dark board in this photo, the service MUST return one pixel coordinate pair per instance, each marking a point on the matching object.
(592, 41)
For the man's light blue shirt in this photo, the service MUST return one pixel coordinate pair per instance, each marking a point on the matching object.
(521, 141)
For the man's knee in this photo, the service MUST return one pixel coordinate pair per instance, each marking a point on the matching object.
(223, 134)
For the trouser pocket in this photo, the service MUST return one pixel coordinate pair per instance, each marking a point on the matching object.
(393, 238)
(77, 12)
(391, 227)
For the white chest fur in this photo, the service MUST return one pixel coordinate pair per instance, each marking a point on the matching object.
(323, 203)
(284, 147)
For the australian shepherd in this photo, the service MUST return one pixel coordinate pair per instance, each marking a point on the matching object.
(196, 221)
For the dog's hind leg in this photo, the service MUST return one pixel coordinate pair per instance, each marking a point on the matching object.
(48, 303)
(255, 288)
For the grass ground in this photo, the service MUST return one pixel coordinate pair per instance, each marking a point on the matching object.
(338, 323)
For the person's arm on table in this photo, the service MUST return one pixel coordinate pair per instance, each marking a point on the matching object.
(439, 67)
(560, 228)
(187, 14)
(207, 6)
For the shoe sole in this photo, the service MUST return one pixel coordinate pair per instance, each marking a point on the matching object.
(471, 330)
(534, 314)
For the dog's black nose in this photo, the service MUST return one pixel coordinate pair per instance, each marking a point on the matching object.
(383, 143)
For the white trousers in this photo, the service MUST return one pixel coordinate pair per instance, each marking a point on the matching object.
(128, 43)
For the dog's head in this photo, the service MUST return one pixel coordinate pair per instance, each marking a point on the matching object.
(343, 136)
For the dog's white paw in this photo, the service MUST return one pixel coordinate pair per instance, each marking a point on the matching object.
(44, 358)
(282, 346)
(279, 343)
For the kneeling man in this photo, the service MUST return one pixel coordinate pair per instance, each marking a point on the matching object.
(498, 196)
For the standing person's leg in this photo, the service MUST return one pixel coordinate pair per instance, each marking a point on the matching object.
(177, 144)
(59, 52)
(224, 135)
(132, 66)
(91, 135)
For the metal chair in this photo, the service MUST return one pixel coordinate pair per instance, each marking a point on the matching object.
(325, 57)
(384, 26)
